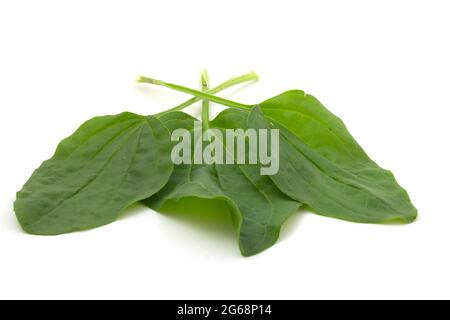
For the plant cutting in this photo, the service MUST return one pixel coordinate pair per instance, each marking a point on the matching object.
(111, 162)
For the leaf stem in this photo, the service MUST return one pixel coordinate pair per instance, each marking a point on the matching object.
(205, 103)
(252, 76)
(200, 95)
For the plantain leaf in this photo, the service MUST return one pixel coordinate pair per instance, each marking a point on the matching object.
(259, 208)
(109, 163)
(322, 165)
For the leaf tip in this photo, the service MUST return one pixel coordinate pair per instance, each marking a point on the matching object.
(255, 75)
(143, 79)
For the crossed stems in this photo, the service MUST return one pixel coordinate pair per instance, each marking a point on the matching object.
(206, 95)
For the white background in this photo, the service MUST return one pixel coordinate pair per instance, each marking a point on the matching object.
(382, 66)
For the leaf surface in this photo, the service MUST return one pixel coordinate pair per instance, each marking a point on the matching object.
(323, 166)
(109, 163)
(259, 208)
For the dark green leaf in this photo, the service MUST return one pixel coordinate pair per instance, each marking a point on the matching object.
(108, 164)
(259, 208)
(322, 165)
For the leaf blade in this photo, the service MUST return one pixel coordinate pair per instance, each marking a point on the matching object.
(94, 174)
(325, 167)
(258, 207)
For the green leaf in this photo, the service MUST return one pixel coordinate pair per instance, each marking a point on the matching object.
(108, 164)
(259, 208)
(323, 166)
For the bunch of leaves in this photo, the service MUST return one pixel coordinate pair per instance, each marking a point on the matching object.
(111, 162)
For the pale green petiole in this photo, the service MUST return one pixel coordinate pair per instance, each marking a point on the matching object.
(205, 103)
(200, 95)
(252, 76)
